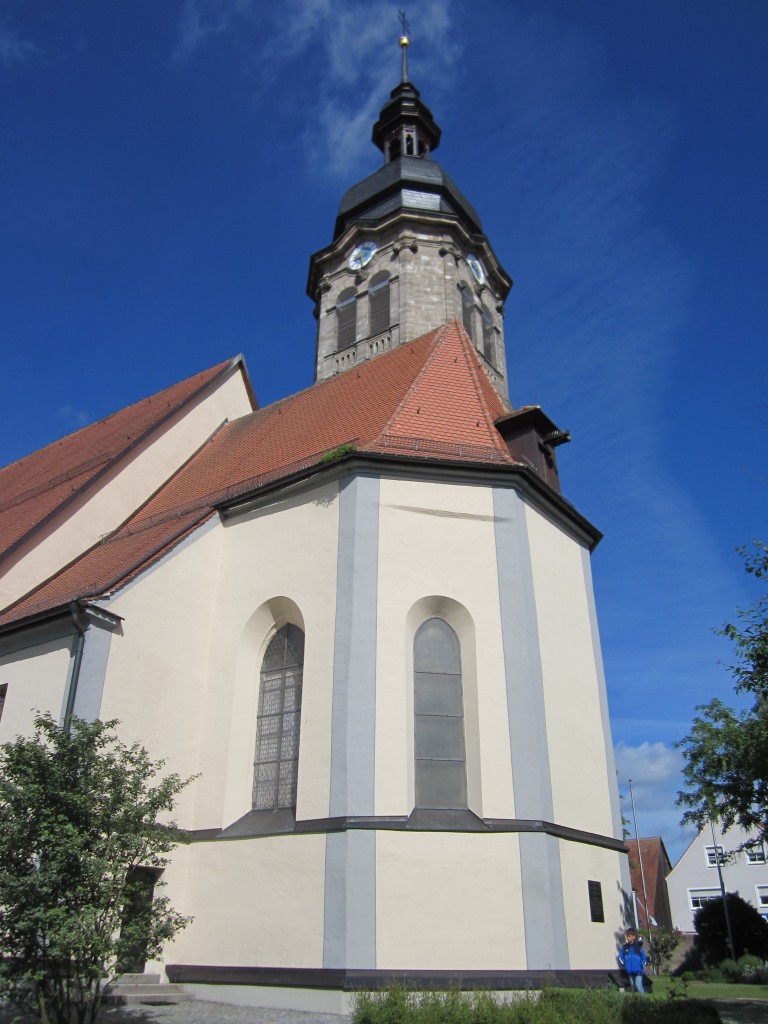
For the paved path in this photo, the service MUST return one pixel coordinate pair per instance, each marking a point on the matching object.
(199, 1012)
(742, 1011)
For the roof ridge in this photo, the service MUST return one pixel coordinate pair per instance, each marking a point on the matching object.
(475, 368)
(436, 344)
(220, 368)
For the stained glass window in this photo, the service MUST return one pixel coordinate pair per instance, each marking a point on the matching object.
(277, 743)
(441, 774)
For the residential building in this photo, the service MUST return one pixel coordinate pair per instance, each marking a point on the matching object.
(695, 878)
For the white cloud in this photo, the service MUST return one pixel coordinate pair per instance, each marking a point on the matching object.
(655, 771)
(13, 48)
(348, 45)
(203, 19)
(73, 417)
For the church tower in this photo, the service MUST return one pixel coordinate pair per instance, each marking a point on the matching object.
(383, 666)
(408, 253)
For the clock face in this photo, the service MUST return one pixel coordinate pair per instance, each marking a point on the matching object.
(362, 255)
(477, 269)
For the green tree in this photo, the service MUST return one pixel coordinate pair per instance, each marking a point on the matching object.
(726, 751)
(78, 820)
(664, 942)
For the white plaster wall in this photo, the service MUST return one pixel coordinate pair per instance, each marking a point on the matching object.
(449, 901)
(437, 540)
(36, 679)
(121, 491)
(255, 901)
(158, 673)
(591, 944)
(577, 744)
(184, 677)
(281, 556)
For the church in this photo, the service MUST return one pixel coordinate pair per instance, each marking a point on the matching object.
(362, 616)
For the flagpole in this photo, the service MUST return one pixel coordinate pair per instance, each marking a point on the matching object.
(642, 872)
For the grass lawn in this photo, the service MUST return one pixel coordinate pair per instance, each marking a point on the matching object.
(709, 989)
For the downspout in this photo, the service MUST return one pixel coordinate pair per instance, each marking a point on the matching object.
(76, 612)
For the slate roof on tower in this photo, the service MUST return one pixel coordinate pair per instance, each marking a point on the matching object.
(427, 400)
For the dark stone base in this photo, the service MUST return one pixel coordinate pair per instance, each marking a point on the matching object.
(353, 980)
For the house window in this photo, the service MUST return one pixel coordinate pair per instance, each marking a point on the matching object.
(346, 318)
(714, 854)
(698, 897)
(441, 770)
(755, 854)
(596, 910)
(467, 312)
(3, 692)
(378, 303)
(277, 742)
(761, 892)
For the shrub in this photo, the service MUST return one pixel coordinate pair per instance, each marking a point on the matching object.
(398, 1005)
(750, 931)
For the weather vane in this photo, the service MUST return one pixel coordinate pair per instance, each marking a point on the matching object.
(404, 42)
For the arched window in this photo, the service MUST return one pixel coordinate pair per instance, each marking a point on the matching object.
(488, 336)
(346, 318)
(441, 770)
(378, 303)
(277, 741)
(467, 311)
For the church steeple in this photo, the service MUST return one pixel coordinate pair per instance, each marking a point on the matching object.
(408, 252)
(405, 126)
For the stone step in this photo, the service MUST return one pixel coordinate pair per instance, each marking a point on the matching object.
(144, 988)
(141, 979)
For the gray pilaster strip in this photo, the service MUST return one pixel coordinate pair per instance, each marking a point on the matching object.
(350, 865)
(543, 903)
(93, 671)
(354, 652)
(335, 907)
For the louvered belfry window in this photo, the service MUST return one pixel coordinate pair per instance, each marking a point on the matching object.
(441, 771)
(468, 312)
(488, 339)
(277, 742)
(346, 317)
(378, 303)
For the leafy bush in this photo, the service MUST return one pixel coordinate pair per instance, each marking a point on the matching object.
(398, 1005)
(748, 969)
(749, 929)
(663, 942)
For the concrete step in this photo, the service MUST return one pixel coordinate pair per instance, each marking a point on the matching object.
(140, 979)
(144, 988)
(157, 997)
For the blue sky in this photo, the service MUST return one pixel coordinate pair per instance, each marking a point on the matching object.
(168, 168)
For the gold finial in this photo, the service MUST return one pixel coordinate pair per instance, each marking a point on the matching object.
(405, 42)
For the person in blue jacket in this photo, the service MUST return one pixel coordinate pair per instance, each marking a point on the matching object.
(632, 958)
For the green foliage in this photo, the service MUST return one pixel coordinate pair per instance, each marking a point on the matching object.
(750, 930)
(747, 970)
(334, 454)
(78, 816)
(398, 1005)
(663, 942)
(726, 751)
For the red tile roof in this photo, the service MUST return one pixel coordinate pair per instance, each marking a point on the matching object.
(656, 867)
(38, 486)
(428, 398)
